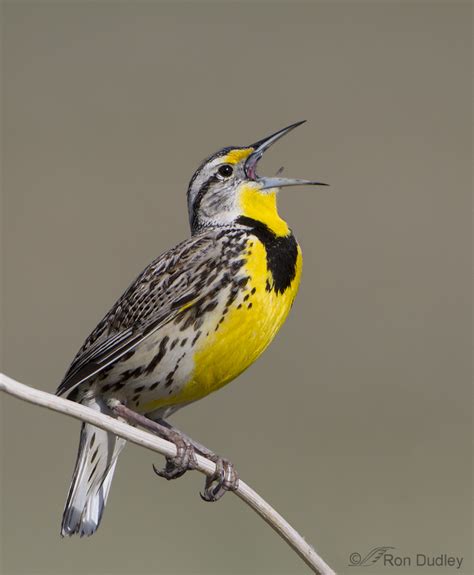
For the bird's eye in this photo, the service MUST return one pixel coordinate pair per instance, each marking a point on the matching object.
(225, 170)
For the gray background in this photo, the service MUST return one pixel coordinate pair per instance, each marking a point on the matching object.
(356, 423)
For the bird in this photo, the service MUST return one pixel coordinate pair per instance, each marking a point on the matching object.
(192, 321)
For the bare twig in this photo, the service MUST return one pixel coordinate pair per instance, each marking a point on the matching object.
(154, 443)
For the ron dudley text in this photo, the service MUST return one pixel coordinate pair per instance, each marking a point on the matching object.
(422, 560)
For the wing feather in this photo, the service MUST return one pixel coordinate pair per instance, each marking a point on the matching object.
(170, 283)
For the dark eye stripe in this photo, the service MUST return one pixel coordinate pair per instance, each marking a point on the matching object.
(202, 192)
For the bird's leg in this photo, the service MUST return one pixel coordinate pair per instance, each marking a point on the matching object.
(175, 466)
(203, 450)
(224, 479)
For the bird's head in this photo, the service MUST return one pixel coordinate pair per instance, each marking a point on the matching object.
(226, 187)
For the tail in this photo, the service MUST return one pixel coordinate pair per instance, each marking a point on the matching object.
(93, 473)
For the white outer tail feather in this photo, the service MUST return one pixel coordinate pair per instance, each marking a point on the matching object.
(93, 473)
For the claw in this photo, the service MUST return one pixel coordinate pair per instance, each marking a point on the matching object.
(225, 479)
(184, 460)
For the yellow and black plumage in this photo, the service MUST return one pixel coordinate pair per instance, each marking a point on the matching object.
(194, 319)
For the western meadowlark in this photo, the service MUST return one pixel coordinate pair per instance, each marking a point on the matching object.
(192, 321)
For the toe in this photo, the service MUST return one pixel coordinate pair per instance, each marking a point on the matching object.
(225, 478)
(231, 477)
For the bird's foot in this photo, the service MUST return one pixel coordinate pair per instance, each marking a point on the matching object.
(225, 478)
(184, 460)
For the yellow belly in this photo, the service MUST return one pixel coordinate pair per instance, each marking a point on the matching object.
(249, 326)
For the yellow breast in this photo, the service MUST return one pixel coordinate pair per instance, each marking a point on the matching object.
(249, 326)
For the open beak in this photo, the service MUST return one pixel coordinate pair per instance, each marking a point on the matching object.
(259, 148)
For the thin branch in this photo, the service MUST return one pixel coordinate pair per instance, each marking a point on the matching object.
(154, 443)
